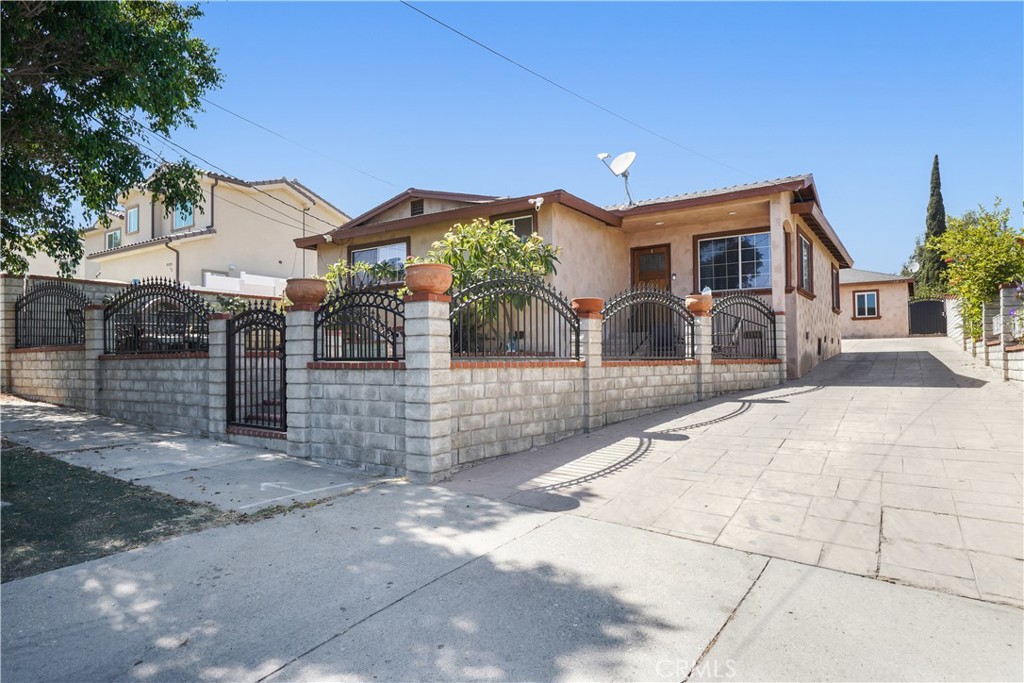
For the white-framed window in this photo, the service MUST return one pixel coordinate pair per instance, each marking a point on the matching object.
(183, 217)
(113, 239)
(393, 255)
(735, 262)
(865, 304)
(806, 278)
(131, 220)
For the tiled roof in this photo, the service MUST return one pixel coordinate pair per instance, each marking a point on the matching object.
(806, 177)
(851, 276)
(155, 240)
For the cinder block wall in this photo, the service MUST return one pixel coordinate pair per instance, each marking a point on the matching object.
(500, 410)
(170, 392)
(624, 390)
(357, 416)
(53, 374)
(726, 376)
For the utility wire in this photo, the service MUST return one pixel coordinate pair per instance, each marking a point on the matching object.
(297, 143)
(573, 92)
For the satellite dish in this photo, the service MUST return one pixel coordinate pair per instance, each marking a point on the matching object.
(620, 167)
(915, 266)
(620, 164)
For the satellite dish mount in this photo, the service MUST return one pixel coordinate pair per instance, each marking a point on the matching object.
(620, 166)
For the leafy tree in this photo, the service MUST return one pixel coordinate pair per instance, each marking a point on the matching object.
(982, 252)
(481, 249)
(87, 86)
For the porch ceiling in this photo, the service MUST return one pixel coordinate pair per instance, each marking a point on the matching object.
(741, 214)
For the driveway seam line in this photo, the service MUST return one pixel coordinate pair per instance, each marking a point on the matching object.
(400, 599)
(728, 620)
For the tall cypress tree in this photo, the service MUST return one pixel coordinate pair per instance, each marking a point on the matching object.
(935, 224)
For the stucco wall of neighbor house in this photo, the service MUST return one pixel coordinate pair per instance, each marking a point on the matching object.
(594, 258)
(357, 416)
(50, 374)
(813, 321)
(168, 392)
(893, 309)
(500, 410)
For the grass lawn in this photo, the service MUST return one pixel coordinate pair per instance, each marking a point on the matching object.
(56, 514)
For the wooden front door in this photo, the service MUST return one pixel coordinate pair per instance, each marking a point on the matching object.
(652, 266)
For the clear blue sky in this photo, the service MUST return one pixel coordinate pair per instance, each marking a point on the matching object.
(861, 95)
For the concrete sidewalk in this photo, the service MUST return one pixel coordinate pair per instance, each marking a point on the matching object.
(233, 477)
(407, 582)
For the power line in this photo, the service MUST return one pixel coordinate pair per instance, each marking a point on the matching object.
(573, 92)
(298, 144)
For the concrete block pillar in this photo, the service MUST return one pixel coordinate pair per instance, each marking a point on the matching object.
(299, 338)
(593, 374)
(218, 379)
(11, 288)
(93, 351)
(428, 412)
(702, 341)
(781, 344)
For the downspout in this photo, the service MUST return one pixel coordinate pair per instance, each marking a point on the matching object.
(177, 260)
(212, 203)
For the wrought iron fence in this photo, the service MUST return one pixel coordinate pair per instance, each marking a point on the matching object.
(513, 316)
(646, 323)
(360, 324)
(256, 368)
(50, 314)
(156, 316)
(742, 327)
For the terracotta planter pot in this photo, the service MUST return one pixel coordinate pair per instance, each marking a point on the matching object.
(587, 304)
(306, 291)
(699, 303)
(428, 278)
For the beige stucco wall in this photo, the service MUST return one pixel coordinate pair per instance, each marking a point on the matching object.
(255, 233)
(811, 321)
(893, 309)
(594, 258)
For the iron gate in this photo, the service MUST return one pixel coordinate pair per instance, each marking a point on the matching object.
(256, 369)
(928, 316)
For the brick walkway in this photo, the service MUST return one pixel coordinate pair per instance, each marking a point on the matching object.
(899, 459)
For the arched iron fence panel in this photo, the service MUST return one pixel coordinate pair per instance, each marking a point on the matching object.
(646, 323)
(742, 327)
(156, 316)
(256, 369)
(515, 316)
(360, 324)
(50, 314)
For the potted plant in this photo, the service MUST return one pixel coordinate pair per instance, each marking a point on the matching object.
(426, 277)
(700, 304)
(587, 305)
(305, 291)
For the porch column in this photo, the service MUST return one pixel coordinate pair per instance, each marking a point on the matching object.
(779, 213)
(593, 373)
(428, 391)
(93, 351)
(218, 369)
(298, 351)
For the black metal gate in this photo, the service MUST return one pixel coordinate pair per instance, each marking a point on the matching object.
(256, 369)
(928, 316)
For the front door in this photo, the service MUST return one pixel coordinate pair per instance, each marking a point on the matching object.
(652, 267)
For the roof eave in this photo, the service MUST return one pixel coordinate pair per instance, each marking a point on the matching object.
(792, 185)
(812, 215)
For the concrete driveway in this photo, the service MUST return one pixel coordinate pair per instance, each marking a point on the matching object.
(899, 460)
(402, 582)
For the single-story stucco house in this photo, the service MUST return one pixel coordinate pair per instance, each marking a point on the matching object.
(875, 305)
(768, 239)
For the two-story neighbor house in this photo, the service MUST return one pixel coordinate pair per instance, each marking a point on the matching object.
(769, 239)
(240, 227)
